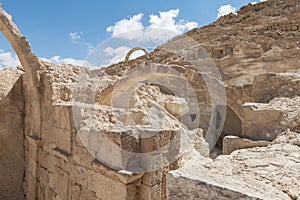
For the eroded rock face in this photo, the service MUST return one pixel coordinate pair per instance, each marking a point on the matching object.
(56, 107)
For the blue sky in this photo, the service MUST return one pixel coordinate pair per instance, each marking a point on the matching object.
(62, 29)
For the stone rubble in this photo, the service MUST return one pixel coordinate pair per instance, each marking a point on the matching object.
(270, 172)
(51, 113)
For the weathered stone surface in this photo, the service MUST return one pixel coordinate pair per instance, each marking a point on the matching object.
(254, 173)
(232, 143)
(266, 121)
(9, 77)
(105, 187)
(151, 192)
(261, 39)
(270, 85)
(12, 159)
(185, 187)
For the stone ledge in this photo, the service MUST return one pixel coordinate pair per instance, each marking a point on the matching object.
(117, 175)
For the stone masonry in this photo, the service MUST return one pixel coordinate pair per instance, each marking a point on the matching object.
(52, 143)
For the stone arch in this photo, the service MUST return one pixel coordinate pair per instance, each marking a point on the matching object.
(19, 102)
(19, 43)
(31, 64)
(132, 51)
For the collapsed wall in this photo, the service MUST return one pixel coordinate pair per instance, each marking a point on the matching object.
(58, 164)
(270, 172)
(256, 168)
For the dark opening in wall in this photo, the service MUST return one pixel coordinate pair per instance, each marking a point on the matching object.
(232, 126)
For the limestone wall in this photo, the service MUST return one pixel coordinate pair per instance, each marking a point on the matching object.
(58, 164)
(12, 163)
(40, 142)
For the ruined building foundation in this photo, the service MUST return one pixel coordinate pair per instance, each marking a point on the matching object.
(44, 135)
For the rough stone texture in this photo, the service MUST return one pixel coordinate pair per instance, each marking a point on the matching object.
(186, 187)
(265, 121)
(12, 162)
(257, 52)
(245, 44)
(11, 77)
(270, 85)
(253, 42)
(233, 143)
(276, 106)
(57, 161)
(255, 173)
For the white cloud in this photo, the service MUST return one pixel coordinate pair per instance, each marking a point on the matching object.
(75, 36)
(166, 20)
(226, 9)
(126, 25)
(255, 2)
(161, 27)
(71, 61)
(7, 59)
(118, 54)
(89, 45)
(191, 25)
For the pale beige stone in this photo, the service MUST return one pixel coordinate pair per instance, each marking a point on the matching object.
(244, 174)
(232, 143)
(151, 192)
(105, 187)
(258, 58)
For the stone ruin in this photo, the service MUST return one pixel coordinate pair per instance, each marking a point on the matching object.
(43, 152)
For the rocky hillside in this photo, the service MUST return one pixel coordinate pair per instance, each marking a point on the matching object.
(70, 132)
(260, 38)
